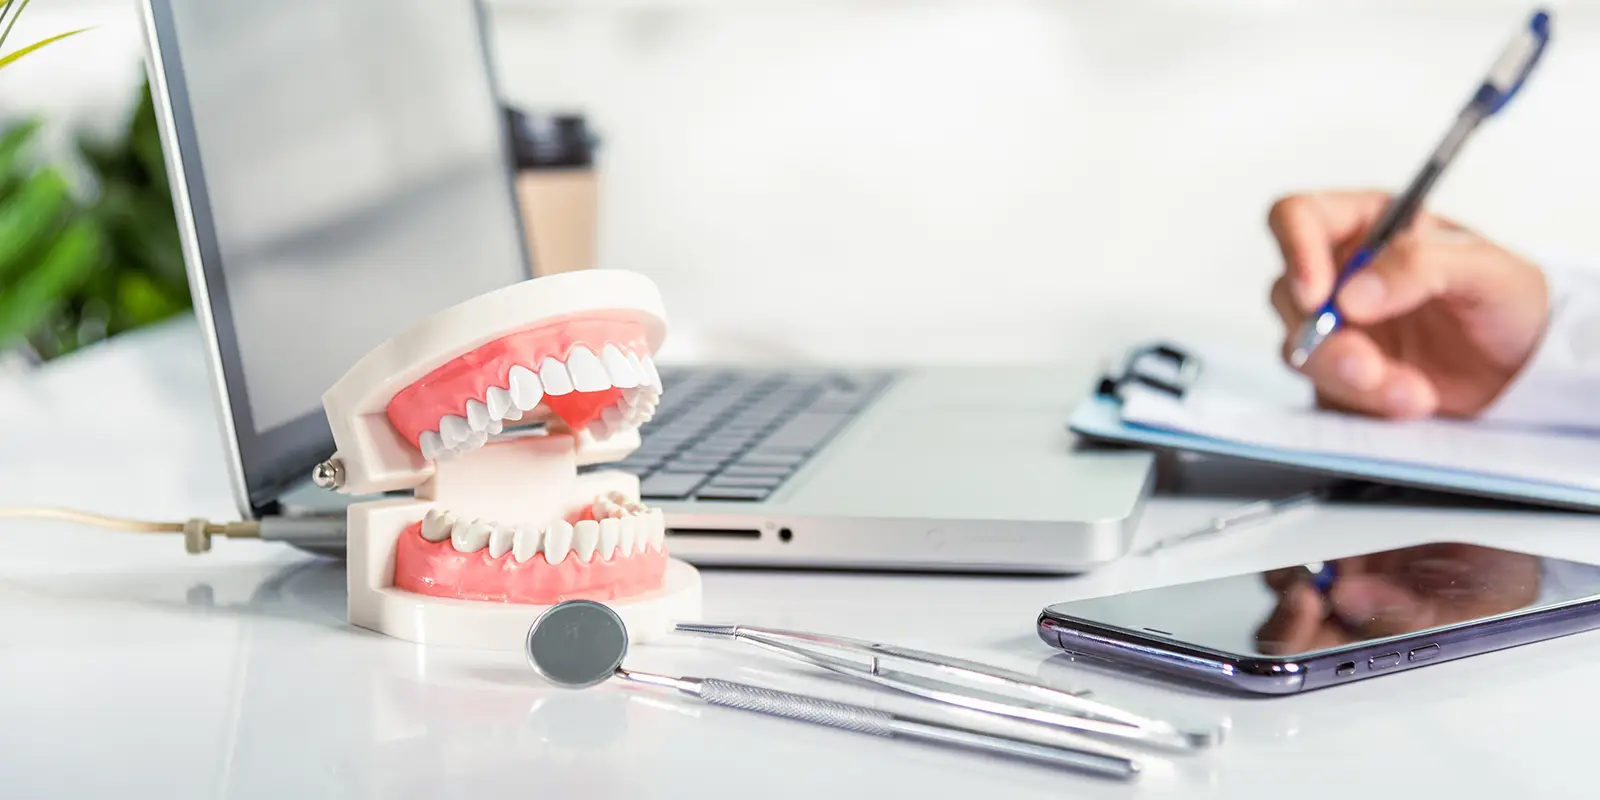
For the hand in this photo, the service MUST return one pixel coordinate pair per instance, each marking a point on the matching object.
(1438, 324)
(1394, 593)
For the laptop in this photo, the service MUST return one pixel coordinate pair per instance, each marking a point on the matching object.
(341, 170)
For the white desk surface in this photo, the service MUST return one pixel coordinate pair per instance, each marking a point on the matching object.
(130, 668)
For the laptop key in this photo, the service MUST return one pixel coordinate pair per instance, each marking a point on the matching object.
(804, 432)
(671, 485)
(758, 458)
(756, 470)
(732, 493)
(747, 481)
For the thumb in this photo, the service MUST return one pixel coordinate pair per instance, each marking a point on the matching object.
(1423, 265)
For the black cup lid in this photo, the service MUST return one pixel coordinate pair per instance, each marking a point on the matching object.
(545, 141)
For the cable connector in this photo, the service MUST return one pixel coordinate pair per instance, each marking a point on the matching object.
(197, 533)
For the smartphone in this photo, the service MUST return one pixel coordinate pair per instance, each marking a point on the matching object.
(1310, 626)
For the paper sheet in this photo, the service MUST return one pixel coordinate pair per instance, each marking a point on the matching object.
(1262, 420)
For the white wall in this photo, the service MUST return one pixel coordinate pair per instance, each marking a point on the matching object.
(996, 179)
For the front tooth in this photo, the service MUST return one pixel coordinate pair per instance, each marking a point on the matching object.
(453, 430)
(469, 536)
(500, 402)
(477, 415)
(588, 374)
(431, 445)
(553, 375)
(651, 376)
(610, 532)
(436, 525)
(526, 388)
(623, 375)
(474, 440)
(557, 541)
(525, 544)
(627, 535)
(638, 368)
(584, 540)
(496, 427)
(501, 538)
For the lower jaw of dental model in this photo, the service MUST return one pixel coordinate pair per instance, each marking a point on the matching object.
(613, 549)
(490, 434)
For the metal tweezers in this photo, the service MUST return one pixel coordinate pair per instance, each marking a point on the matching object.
(1045, 705)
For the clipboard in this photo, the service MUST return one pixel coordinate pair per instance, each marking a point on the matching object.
(1170, 369)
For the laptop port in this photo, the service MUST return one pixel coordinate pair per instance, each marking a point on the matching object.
(715, 533)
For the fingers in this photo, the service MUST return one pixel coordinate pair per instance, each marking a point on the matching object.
(1295, 623)
(1376, 607)
(1311, 231)
(1421, 266)
(1351, 373)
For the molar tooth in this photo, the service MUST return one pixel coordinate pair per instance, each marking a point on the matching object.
(627, 534)
(469, 536)
(588, 374)
(612, 417)
(651, 376)
(610, 532)
(623, 374)
(477, 415)
(474, 440)
(501, 538)
(430, 444)
(557, 541)
(527, 389)
(553, 374)
(585, 538)
(500, 402)
(436, 525)
(599, 430)
(525, 544)
(453, 430)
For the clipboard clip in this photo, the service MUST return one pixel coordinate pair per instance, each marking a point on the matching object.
(1175, 371)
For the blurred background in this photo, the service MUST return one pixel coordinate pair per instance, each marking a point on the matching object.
(892, 180)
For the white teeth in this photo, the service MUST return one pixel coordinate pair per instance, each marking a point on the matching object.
(436, 525)
(588, 374)
(584, 540)
(526, 388)
(558, 541)
(430, 444)
(651, 377)
(500, 402)
(453, 430)
(470, 536)
(623, 374)
(612, 417)
(638, 368)
(501, 538)
(495, 427)
(475, 440)
(525, 544)
(599, 430)
(477, 415)
(610, 532)
(627, 534)
(553, 374)
(657, 525)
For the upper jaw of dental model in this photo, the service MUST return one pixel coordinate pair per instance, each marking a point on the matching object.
(591, 374)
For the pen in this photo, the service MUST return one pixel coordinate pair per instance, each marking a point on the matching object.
(1505, 77)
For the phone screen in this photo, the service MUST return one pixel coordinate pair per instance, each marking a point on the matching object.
(1304, 610)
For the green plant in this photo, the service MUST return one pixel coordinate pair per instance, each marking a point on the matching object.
(13, 9)
(74, 271)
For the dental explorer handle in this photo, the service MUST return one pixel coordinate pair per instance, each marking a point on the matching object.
(881, 723)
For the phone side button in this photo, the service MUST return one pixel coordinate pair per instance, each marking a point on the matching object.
(1384, 661)
(1424, 653)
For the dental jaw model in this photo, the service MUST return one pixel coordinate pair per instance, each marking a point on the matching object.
(485, 412)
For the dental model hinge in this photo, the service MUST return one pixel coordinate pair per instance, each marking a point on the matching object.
(329, 474)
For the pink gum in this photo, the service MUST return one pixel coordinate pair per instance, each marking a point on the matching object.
(439, 570)
(447, 389)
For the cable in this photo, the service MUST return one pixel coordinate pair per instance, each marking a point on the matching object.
(196, 532)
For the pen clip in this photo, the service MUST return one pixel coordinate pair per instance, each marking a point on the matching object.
(1515, 64)
(1185, 366)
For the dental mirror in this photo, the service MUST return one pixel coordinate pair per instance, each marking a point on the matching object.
(577, 644)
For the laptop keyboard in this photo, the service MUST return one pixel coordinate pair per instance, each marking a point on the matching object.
(737, 435)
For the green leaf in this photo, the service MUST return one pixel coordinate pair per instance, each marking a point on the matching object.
(5, 60)
(7, 32)
(28, 217)
(32, 300)
(14, 141)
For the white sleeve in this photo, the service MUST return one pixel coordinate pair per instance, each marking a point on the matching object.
(1560, 386)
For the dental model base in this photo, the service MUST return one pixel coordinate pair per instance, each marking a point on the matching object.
(485, 412)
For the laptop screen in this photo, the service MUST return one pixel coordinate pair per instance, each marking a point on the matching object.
(347, 173)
